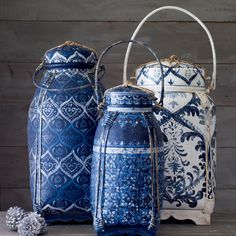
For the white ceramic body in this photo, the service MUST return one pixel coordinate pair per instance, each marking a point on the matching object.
(188, 125)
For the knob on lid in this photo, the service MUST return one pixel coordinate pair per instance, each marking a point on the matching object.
(129, 96)
(70, 52)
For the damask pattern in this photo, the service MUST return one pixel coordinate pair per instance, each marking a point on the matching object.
(61, 128)
(67, 131)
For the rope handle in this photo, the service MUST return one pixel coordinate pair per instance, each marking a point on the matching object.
(212, 85)
(125, 81)
(73, 65)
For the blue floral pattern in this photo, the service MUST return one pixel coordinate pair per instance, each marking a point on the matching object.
(127, 171)
(188, 124)
(184, 135)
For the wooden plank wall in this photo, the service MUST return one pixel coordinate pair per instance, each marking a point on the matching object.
(29, 27)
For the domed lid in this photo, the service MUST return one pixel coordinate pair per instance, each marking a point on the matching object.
(71, 52)
(129, 96)
(178, 75)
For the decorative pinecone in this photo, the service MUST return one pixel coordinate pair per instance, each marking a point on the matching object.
(14, 216)
(32, 225)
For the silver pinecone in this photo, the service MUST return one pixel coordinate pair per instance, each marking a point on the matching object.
(14, 216)
(32, 225)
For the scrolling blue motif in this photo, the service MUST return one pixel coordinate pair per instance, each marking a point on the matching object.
(185, 181)
(188, 124)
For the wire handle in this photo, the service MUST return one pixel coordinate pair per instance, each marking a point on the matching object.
(212, 86)
(43, 66)
(125, 81)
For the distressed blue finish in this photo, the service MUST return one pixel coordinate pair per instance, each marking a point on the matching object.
(61, 127)
(188, 124)
(126, 191)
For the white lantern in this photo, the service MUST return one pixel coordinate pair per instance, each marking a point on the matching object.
(188, 124)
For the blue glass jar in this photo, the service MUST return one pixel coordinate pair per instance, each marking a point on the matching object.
(62, 120)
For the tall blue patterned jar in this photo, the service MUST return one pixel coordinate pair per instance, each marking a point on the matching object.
(188, 124)
(62, 120)
(127, 157)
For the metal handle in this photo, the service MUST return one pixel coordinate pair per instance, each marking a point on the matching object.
(213, 82)
(44, 66)
(125, 74)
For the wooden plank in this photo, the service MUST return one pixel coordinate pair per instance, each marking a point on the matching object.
(14, 168)
(13, 121)
(226, 174)
(16, 158)
(27, 41)
(113, 10)
(226, 126)
(16, 197)
(222, 225)
(16, 82)
(225, 199)
(225, 95)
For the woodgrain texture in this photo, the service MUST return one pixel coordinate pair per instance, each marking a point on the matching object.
(226, 174)
(16, 197)
(14, 164)
(113, 10)
(27, 41)
(13, 123)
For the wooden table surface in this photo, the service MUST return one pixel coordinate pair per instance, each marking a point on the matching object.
(222, 225)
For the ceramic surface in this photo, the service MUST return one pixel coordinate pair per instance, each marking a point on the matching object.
(61, 126)
(188, 124)
(127, 157)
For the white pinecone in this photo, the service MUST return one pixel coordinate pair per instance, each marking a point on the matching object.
(32, 225)
(14, 216)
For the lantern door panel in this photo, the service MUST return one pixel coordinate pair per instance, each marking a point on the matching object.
(188, 127)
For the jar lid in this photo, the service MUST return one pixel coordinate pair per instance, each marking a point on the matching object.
(129, 96)
(177, 73)
(70, 52)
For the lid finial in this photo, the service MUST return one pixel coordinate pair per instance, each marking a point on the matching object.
(174, 58)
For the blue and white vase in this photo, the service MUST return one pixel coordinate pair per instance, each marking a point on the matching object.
(188, 124)
(127, 157)
(62, 120)
(127, 164)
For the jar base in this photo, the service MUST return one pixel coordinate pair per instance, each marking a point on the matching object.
(199, 217)
(124, 231)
